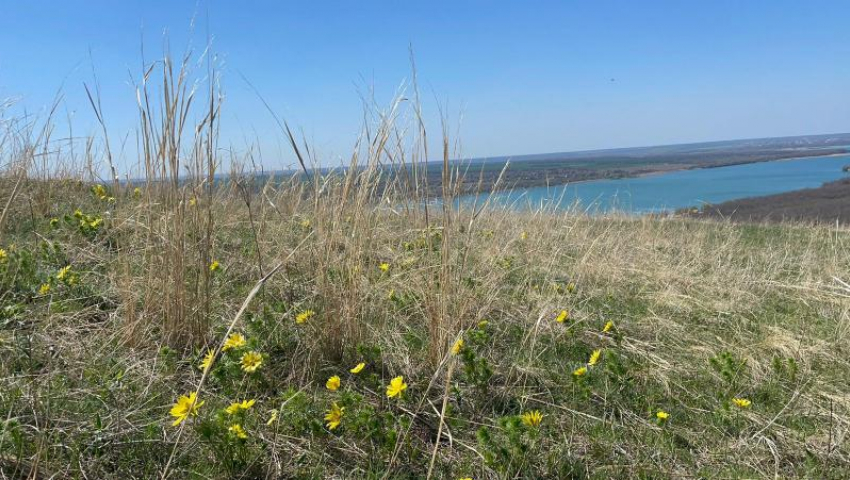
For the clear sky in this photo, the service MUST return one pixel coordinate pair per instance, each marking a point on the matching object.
(525, 76)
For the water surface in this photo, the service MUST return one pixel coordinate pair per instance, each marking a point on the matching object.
(686, 188)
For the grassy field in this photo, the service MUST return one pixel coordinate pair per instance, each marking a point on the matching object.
(184, 328)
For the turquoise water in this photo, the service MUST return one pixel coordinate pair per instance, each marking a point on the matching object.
(686, 188)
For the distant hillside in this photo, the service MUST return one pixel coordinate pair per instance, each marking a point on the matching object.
(527, 171)
(827, 204)
(723, 147)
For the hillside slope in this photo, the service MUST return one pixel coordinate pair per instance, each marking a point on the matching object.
(107, 320)
(829, 203)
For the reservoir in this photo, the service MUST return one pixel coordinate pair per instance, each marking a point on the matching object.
(679, 189)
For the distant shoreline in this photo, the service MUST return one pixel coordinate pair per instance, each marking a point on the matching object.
(638, 171)
(788, 159)
(826, 204)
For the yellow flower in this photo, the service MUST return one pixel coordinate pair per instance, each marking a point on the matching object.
(608, 326)
(63, 272)
(237, 406)
(571, 287)
(662, 415)
(99, 191)
(54, 222)
(334, 416)
(465, 478)
(305, 224)
(358, 368)
(563, 316)
(532, 418)
(272, 417)
(742, 402)
(193, 201)
(251, 361)
(581, 371)
(214, 266)
(385, 267)
(333, 383)
(238, 431)
(207, 362)
(457, 347)
(523, 236)
(137, 192)
(185, 406)
(110, 199)
(396, 386)
(304, 316)
(44, 289)
(235, 340)
(594, 357)
(3, 255)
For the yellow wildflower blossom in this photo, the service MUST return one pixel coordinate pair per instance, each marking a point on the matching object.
(214, 266)
(334, 416)
(608, 326)
(3, 255)
(272, 417)
(396, 387)
(63, 273)
(238, 431)
(571, 287)
(358, 368)
(304, 316)
(193, 201)
(237, 406)
(457, 347)
(594, 357)
(523, 236)
(99, 191)
(235, 340)
(305, 224)
(207, 362)
(186, 406)
(385, 267)
(742, 402)
(333, 383)
(532, 418)
(251, 361)
(579, 372)
(563, 316)
(662, 415)
(44, 289)
(137, 192)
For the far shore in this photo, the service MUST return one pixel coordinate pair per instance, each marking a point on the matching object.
(647, 171)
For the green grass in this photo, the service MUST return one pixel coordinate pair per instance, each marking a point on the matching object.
(703, 313)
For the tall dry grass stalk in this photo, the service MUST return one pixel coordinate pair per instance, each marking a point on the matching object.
(180, 162)
(386, 175)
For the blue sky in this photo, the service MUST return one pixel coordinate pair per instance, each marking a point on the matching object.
(517, 76)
